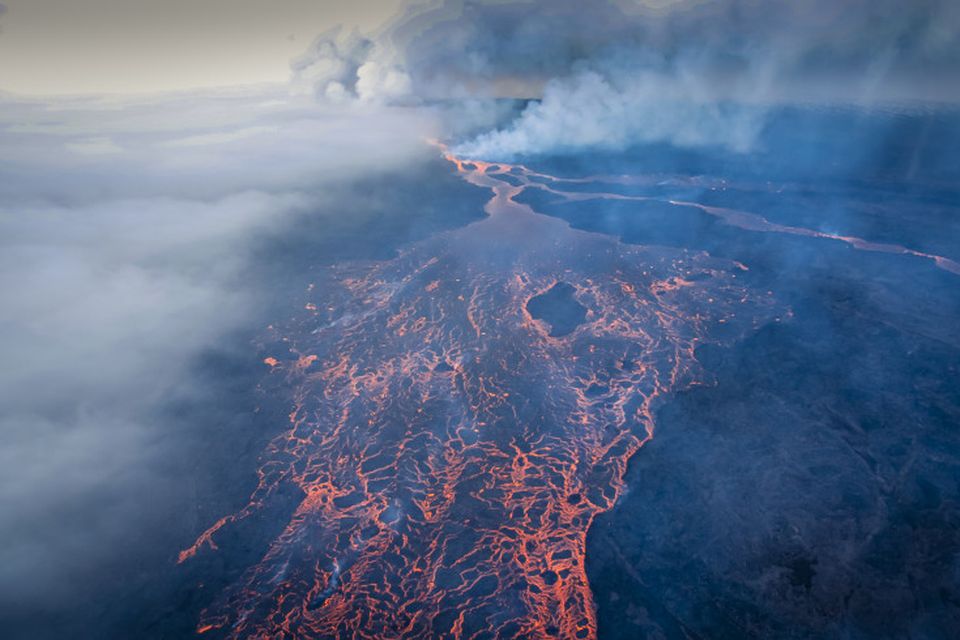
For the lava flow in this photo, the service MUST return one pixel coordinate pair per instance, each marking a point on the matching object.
(452, 453)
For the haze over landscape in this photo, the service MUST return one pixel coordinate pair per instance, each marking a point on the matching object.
(480, 319)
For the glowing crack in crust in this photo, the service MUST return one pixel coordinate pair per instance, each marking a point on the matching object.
(451, 453)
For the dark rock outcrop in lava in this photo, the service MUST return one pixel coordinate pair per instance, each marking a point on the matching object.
(559, 308)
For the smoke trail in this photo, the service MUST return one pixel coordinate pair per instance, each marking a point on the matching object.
(684, 72)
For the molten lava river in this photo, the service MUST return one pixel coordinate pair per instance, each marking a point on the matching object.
(452, 448)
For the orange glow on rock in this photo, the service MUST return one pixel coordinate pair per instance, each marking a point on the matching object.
(451, 454)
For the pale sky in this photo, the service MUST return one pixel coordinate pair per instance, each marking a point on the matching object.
(50, 47)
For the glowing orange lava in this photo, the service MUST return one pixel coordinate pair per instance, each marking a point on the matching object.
(451, 453)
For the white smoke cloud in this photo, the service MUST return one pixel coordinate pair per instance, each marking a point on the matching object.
(586, 111)
(684, 72)
(340, 67)
(377, 81)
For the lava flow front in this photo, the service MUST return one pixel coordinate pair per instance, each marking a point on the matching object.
(452, 449)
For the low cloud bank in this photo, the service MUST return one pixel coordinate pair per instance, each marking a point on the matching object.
(127, 228)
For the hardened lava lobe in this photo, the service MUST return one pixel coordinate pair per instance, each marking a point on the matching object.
(452, 450)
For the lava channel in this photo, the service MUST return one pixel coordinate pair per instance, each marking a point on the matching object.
(452, 453)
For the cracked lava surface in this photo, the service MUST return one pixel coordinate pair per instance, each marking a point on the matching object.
(451, 452)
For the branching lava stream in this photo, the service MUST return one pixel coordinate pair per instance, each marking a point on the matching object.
(452, 454)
